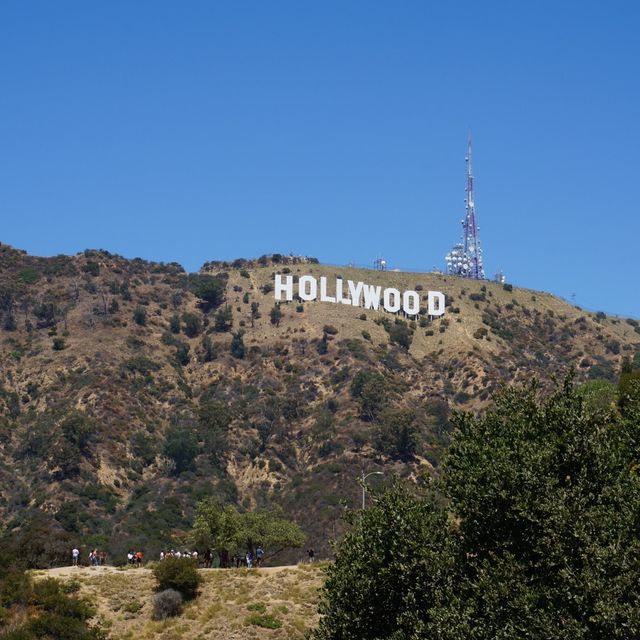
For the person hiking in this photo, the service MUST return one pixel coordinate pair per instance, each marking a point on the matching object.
(259, 556)
(311, 555)
(130, 557)
(75, 554)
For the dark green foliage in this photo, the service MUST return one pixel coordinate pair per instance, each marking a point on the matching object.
(46, 312)
(396, 434)
(370, 389)
(265, 620)
(143, 447)
(389, 571)
(208, 349)
(58, 344)
(179, 574)
(276, 315)
(182, 352)
(38, 544)
(214, 420)
(92, 268)
(507, 287)
(167, 604)
(192, 324)
(237, 345)
(53, 613)
(323, 345)
(401, 334)
(539, 538)
(140, 316)
(9, 322)
(209, 289)
(224, 320)
(255, 312)
(181, 446)
(174, 324)
(29, 275)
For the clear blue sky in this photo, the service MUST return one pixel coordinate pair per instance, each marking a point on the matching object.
(192, 131)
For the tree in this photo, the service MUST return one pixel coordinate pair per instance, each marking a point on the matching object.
(229, 531)
(140, 316)
(208, 349)
(192, 324)
(276, 315)
(397, 434)
(370, 388)
(181, 446)
(539, 538)
(214, 419)
(389, 570)
(547, 498)
(401, 334)
(174, 323)
(224, 320)
(209, 289)
(237, 345)
(255, 312)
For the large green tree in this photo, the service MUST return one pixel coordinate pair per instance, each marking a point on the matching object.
(229, 531)
(538, 535)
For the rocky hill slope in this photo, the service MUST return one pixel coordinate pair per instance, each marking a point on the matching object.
(130, 389)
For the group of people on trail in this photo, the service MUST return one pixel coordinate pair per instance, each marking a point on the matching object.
(249, 559)
(135, 558)
(178, 554)
(96, 558)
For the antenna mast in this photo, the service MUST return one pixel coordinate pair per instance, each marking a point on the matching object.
(465, 259)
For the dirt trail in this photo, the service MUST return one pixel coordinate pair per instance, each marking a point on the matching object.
(92, 572)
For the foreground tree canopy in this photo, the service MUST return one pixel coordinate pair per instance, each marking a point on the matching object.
(533, 532)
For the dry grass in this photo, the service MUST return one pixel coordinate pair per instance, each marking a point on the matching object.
(227, 600)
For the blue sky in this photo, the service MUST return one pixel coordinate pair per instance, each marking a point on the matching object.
(209, 130)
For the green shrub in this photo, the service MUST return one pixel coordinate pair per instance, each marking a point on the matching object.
(140, 316)
(180, 574)
(29, 275)
(192, 324)
(265, 620)
(237, 345)
(134, 606)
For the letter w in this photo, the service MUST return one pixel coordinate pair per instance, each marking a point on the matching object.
(371, 296)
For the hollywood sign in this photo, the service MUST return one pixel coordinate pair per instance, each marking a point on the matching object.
(358, 294)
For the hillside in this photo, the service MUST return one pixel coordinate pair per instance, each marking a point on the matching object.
(230, 605)
(130, 389)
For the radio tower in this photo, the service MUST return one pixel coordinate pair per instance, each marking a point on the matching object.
(465, 259)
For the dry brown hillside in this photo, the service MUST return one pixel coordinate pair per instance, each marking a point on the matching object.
(131, 389)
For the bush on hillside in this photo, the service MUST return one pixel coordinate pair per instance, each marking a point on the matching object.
(180, 574)
(166, 604)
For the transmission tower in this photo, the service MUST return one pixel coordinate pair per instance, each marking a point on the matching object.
(465, 259)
